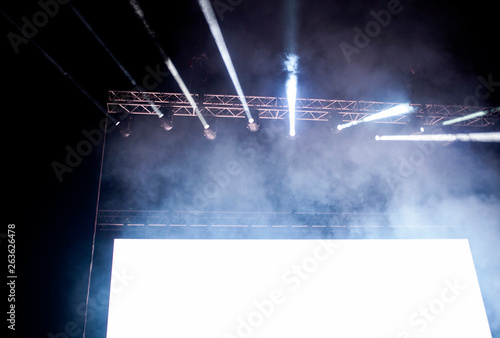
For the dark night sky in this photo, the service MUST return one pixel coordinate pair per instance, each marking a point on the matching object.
(450, 45)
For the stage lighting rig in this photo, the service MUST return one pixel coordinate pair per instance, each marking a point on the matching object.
(126, 126)
(253, 122)
(166, 120)
(209, 134)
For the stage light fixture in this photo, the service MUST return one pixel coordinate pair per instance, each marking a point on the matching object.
(126, 126)
(253, 123)
(209, 133)
(166, 124)
(166, 119)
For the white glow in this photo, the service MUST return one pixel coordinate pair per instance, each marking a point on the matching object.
(291, 66)
(294, 288)
(400, 109)
(465, 118)
(291, 93)
(186, 92)
(471, 137)
(209, 14)
(168, 63)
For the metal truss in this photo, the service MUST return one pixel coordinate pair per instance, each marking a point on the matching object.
(135, 102)
(161, 219)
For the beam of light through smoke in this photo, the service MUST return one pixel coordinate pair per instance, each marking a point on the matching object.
(400, 109)
(168, 62)
(470, 137)
(184, 89)
(61, 70)
(209, 14)
(291, 66)
(291, 93)
(470, 116)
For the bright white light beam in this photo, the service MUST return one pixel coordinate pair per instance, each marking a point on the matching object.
(184, 89)
(138, 11)
(470, 137)
(468, 117)
(291, 93)
(209, 14)
(291, 65)
(400, 109)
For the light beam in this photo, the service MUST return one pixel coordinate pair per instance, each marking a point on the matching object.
(209, 14)
(168, 62)
(469, 137)
(291, 66)
(400, 109)
(465, 118)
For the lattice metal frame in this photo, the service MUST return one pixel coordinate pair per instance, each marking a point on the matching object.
(162, 219)
(269, 107)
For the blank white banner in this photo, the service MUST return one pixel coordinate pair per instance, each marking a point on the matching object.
(294, 288)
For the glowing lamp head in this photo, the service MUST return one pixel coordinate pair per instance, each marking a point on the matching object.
(125, 132)
(166, 124)
(253, 127)
(209, 134)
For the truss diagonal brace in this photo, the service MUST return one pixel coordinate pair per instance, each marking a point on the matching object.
(270, 107)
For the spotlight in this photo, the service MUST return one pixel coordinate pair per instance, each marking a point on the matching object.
(253, 127)
(166, 121)
(209, 133)
(125, 128)
(125, 132)
(253, 122)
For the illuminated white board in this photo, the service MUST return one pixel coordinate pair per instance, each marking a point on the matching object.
(294, 288)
